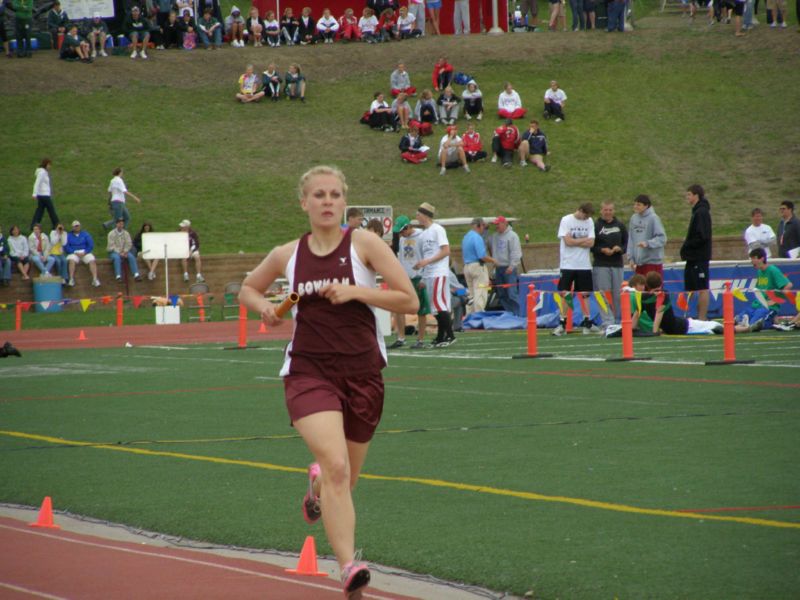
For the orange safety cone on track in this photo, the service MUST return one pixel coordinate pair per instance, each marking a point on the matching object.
(262, 328)
(45, 519)
(81, 336)
(307, 565)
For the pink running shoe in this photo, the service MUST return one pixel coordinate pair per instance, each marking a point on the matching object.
(355, 577)
(310, 505)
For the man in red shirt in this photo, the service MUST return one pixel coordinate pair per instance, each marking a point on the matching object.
(505, 142)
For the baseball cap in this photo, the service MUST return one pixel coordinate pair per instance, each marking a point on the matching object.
(427, 209)
(401, 223)
(76, 223)
(500, 219)
(185, 223)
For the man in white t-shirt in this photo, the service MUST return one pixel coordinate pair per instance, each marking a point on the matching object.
(576, 235)
(116, 200)
(435, 267)
(409, 253)
(554, 101)
(759, 234)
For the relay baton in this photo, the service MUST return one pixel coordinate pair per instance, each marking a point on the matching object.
(285, 306)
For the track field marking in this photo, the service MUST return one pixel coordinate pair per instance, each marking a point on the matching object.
(30, 592)
(192, 561)
(740, 508)
(464, 487)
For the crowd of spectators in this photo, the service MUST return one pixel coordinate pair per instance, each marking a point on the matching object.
(59, 253)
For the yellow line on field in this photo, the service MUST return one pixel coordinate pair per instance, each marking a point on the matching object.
(464, 487)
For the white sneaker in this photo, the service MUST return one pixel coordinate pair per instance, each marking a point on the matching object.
(774, 24)
(480, 116)
(494, 158)
(558, 120)
(468, 117)
(442, 171)
(143, 54)
(96, 283)
(523, 163)
(200, 278)
(151, 276)
(559, 330)
(71, 282)
(186, 276)
(103, 53)
(94, 53)
(466, 169)
(783, 25)
(160, 47)
(133, 54)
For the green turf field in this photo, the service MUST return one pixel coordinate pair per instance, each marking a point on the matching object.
(567, 477)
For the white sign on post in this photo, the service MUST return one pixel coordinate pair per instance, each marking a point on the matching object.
(165, 246)
(382, 213)
(85, 9)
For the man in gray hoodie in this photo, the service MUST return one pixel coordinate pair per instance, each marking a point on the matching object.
(647, 238)
(507, 253)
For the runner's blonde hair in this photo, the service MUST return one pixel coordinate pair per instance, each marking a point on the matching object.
(320, 170)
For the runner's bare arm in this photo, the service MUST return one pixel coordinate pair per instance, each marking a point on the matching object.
(258, 281)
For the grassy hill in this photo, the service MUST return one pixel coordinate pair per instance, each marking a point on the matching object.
(651, 112)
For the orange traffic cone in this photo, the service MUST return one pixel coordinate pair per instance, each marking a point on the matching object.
(262, 328)
(45, 519)
(307, 565)
(81, 336)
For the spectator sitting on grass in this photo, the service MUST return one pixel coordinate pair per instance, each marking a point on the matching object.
(448, 106)
(380, 113)
(533, 146)
(442, 74)
(505, 142)
(254, 27)
(407, 25)
(411, 146)
(473, 147)
(387, 25)
(234, 27)
(79, 249)
(657, 314)
(58, 239)
(306, 28)
(249, 87)
(451, 151)
(272, 30)
(152, 264)
(5, 261)
(400, 81)
(327, 26)
(271, 80)
(768, 278)
(138, 29)
(39, 245)
(171, 32)
(289, 27)
(97, 34)
(210, 29)
(348, 26)
(473, 101)
(57, 23)
(188, 30)
(425, 111)
(75, 47)
(295, 83)
(554, 100)
(368, 24)
(194, 252)
(120, 247)
(509, 104)
(19, 251)
(401, 111)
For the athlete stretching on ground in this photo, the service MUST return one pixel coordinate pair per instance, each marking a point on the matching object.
(332, 368)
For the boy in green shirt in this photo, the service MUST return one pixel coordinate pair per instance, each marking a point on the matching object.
(769, 278)
(23, 13)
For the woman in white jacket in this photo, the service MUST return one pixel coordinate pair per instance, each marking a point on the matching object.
(327, 26)
(18, 251)
(509, 104)
(43, 194)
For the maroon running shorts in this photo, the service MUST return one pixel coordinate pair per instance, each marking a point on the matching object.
(360, 400)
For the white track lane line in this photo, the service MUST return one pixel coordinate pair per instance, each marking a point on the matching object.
(34, 593)
(186, 560)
